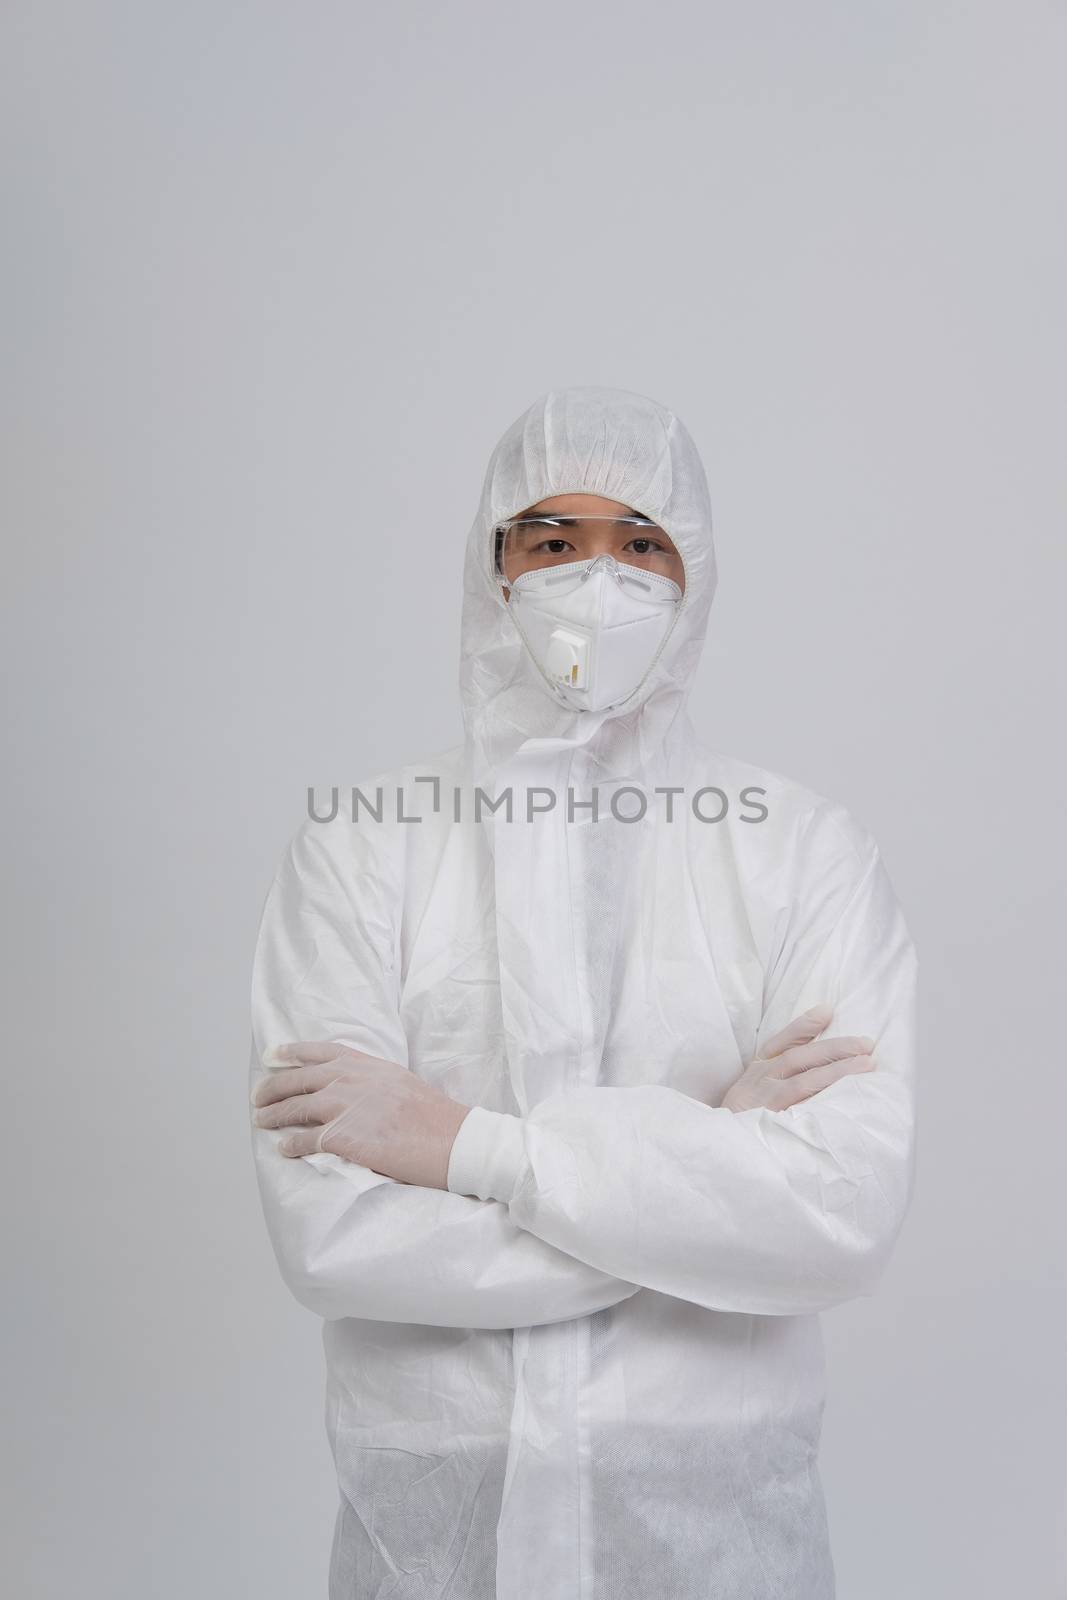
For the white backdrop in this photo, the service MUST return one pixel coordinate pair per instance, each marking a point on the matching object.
(278, 277)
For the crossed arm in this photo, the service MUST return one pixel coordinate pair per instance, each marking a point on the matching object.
(409, 1207)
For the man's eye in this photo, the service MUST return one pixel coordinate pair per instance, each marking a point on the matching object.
(545, 543)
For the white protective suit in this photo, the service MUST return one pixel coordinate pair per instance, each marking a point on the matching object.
(603, 1380)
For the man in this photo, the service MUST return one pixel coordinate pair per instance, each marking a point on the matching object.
(548, 1127)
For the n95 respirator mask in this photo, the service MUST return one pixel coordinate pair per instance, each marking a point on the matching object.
(594, 628)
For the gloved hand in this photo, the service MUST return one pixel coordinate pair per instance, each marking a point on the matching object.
(375, 1113)
(791, 1068)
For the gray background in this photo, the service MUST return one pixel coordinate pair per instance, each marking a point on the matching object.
(278, 277)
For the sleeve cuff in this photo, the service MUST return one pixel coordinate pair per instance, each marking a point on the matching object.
(488, 1155)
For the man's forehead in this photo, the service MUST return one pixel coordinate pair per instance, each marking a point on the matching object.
(579, 504)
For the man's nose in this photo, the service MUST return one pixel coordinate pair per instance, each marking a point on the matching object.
(602, 561)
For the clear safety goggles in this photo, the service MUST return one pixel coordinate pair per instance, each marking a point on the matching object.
(537, 543)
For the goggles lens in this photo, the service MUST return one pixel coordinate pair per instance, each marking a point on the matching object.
(532, 544)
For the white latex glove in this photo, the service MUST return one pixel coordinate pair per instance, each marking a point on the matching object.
(791, 1068)
(374, 1113)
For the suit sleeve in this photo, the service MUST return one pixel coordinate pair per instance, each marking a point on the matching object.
(771, 1212)
(351, 1242)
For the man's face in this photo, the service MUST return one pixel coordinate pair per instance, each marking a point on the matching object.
(533, 547)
